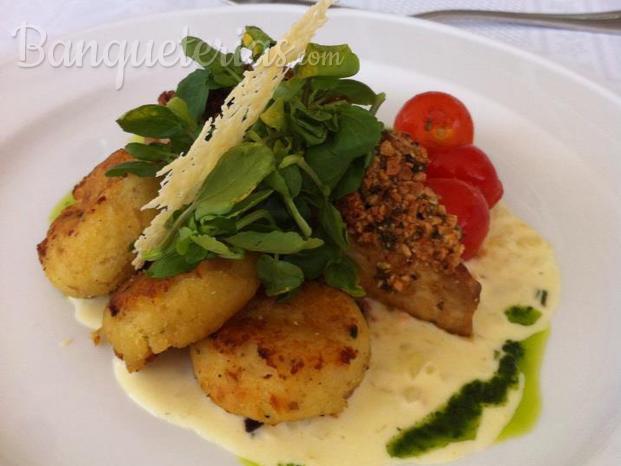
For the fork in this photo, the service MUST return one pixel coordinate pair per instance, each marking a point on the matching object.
(604, 21)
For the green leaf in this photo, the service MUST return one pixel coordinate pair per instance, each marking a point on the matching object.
(314, 261)
(379, 100)
(293, 178)
(256, 216)
(278, 183)
(251, 201)
(328, 60)
(296, 159)
(183, 241)
(154, 121)
(193, 89)
(282, 147)
(153, 255)
(351, 180)
(324, 83)
(278, 276)
(278, 210)
(354, 91)
(169, 265)
(307, 123)
(227, 77)
(218, 226)
(149, 152)
(225, 68)
(289, 89)
(313, 133)
(341, 273)
(256, 41)
(180, 108)
(274, 115)
(359, 132)
(180, 143)
(138, 168)
(311, 114)
(332, 223)
(274, 242)
(213, 245)
(236, 175)
(203, 53)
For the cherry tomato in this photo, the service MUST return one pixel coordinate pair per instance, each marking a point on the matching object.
(469, 164)
(470, 207)
(436, 120)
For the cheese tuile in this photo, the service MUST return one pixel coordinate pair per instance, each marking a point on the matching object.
(184, 176)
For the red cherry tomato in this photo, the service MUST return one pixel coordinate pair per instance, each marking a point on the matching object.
(469, 164)
(470, 207)
(436, 120)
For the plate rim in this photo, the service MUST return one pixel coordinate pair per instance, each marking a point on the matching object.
(613, 438)
(346, 11)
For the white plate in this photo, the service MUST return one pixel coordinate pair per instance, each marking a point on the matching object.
(554, 137)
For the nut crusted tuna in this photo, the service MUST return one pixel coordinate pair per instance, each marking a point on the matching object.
(408, 248)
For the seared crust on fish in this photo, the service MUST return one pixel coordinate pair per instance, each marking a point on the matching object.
(288, 360)
(146, 316)
(87, 250)
(446, 299)
(408, 248)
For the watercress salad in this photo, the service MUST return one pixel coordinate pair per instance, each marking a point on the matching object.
(274, 194)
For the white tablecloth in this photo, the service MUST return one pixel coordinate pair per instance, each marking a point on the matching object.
(596, 56)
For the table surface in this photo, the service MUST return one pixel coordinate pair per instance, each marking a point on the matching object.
(595, 56)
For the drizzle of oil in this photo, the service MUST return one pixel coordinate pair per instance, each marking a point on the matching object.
(459, 419)
(68, 198)
(527, 412)
(245, 462)
(61, 205)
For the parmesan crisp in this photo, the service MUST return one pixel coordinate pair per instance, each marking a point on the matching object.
(184, 176)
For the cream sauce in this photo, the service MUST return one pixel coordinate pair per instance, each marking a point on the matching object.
(415, 368)
(89, 312)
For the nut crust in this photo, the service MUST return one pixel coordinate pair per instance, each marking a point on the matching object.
(407, 247)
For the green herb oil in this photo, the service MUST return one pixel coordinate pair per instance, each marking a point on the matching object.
(527, 412)
(61, 205)
(245, 462)
(523, 315)
(459, 419)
